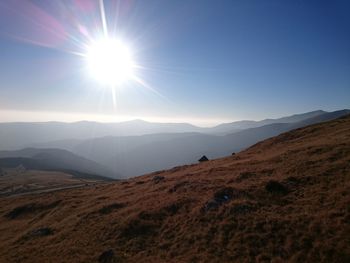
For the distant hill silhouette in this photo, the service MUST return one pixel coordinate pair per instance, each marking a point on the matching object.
(53, 159)
(227, 128)
(14, 136)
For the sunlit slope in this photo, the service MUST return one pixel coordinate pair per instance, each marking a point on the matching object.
(284, 199)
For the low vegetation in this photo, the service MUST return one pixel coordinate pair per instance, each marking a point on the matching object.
(285, 199)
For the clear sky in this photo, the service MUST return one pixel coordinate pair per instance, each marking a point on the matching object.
(200, 61)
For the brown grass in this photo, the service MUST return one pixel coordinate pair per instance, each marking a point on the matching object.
(284, 199)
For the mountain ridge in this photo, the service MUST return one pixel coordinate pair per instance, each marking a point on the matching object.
(17, 135)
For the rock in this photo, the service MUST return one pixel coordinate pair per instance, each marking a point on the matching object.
(222, 196)
(109, 208)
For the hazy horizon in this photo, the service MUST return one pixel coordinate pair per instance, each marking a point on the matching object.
(22, 116)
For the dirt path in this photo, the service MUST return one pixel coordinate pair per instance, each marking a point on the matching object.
(43, 190)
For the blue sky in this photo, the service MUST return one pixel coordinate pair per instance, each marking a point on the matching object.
(205, 61)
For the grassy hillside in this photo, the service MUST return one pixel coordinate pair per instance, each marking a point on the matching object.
(284, 199)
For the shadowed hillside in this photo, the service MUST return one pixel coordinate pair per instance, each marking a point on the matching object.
(284, 199)
(53, 159)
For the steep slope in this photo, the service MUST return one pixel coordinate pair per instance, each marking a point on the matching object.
(285, 199)
(54, 159)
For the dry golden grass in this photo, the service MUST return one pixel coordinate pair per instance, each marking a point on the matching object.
(284, 199)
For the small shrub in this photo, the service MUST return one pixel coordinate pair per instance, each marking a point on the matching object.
(40, 232)
(107, 257)
(242, 208)
(178, 186)
(244, 175)
(30, 208)
(109, 208)
(156, 179)
(275, 187)
(138, 228)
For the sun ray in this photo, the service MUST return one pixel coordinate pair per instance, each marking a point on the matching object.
(112, 64)
(114, 98)
(103, 18)
(145, 85)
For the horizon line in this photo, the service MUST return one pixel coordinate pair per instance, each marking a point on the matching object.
(64, 117)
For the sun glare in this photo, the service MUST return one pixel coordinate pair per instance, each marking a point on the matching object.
(110, 62)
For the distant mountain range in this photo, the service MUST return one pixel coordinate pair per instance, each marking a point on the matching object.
(14, 136)
(18, 135)
(148, 146)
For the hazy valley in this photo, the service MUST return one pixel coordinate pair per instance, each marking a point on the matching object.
(157, 147)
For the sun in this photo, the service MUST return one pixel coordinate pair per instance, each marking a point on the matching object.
(110, 61)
